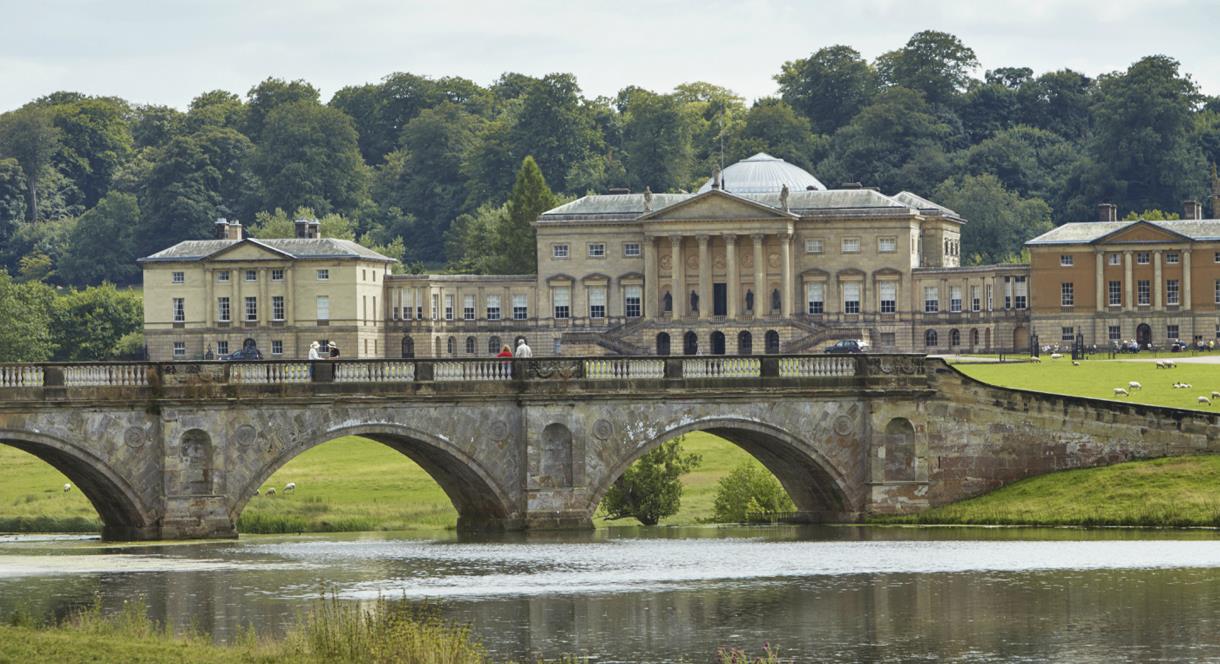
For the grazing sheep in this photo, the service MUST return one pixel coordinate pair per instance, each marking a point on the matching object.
(291, 486)
(1160, 364)
(67, 488)
(256, 492)
(1178, 386)
(1170, 364)
(1075, 363)
(1035, 359)
(271, 491)
(1135, 385)
(1120, 392)
(1056, 356)
(1204, 400)
(1215, 395)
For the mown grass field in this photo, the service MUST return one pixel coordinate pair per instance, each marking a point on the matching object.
(347, 484)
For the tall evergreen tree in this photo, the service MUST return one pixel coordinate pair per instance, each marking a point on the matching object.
(530, 198)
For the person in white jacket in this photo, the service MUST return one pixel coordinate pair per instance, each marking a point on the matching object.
(523, 349)
(313, 351)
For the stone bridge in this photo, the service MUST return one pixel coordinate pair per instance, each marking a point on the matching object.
(175, 450)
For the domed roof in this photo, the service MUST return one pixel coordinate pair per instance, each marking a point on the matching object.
(764, 174)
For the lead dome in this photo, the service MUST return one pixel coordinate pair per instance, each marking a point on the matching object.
(764, 174)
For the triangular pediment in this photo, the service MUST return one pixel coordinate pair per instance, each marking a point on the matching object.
(716, 205)
(1140, 232)
(249, 250)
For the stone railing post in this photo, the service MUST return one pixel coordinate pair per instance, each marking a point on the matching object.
(673, 368)
(424, 371)
(770, 366)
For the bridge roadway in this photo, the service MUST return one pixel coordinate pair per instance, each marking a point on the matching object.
(175, 450)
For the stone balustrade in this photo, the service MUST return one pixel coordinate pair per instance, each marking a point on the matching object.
(94, 375)
(473, 370)
(618, 368)
(268, 373)
(375, 371)
(815, 366)
(20, 375)
(722, 367)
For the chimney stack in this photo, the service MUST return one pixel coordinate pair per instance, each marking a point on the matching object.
(233, 230)
(308, 229)
(220, 230)
(1192, 210)
(1107, 212)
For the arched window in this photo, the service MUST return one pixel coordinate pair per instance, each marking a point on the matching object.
(929, 339)
(717, 343)
(771, 341)
(663, 343)
(470, 345)
(955, 338)
(451, 345)
(974, 337)
(667, 302)
(493, 345)
(690, 343)
(408, 347)
(745, 343)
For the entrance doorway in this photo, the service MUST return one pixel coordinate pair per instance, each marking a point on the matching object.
(1143, 335)
(720, 299)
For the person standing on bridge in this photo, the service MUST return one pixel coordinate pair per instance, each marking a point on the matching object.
(313, 351)
(523, 349)
(505, 351)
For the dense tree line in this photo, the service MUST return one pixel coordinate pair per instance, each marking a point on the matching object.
(448, 173)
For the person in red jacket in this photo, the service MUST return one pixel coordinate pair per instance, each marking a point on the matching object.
(505, 351)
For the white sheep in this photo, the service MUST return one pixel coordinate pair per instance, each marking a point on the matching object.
(1170, 364)
(67, 487)
(1075, 363)
(1135, 385)
(1205, 400)
(1215, 394)
(256, 492)
(1160, 364)
(1056, 356)
(1179, 386)
(1035, 359)
(1120, 392)
(291, 486)
(271, 491)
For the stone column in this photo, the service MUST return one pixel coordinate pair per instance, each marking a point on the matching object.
(733, 279)
(264, 300)
(1157, 303)
(678, 289)
(762, 299)
(648, 247)
(1099, 279)
(705, 278)
(1186, 281)
(290, 296)
(209, 298)
(1128, 284)
(785, 257)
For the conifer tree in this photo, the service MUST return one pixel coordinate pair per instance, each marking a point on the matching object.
(530, 198)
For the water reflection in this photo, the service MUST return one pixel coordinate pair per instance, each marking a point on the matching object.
(829, 594)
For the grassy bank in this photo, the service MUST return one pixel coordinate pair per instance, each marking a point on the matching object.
(348, 484)
(1170, 492)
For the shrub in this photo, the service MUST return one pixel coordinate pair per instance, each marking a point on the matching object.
(650, 489)
(749, 489)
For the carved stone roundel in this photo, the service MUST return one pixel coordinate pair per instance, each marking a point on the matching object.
(134, 437)
(773, 260)
(603, 429)
(692, 261)
(843, 425)
(664, 262)
(747, 260)
(244, 435)
(498, 430)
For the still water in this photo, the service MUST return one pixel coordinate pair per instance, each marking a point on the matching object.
(661, 595)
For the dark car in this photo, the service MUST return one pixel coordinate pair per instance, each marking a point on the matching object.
(245, 354)
(846, 346)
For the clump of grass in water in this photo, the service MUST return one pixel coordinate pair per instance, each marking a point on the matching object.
(282, 524)
(740, 656)
(49, 524)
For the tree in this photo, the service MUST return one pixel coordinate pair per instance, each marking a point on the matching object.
(308, 156)
(935, 63)
(772, 126)
(554, 126)
(829, 87)
(95, 141)
(1058, 101)
(278, 224)
(112, 224)
(650, 489)
(656, 141)
(216, 108)
(472, 240)
(263, 99)
(88, 324)
(749, 489)
(530, 198)
(29, 136)
(182, 199)
(1032, 162)
(26, 310)
(1000, 220)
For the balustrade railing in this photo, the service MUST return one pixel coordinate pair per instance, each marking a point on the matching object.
(817, 366)
(612, 368)
(477, 370)
(20, 375)
(102, 375)
(722, 367)
(260, 373)
(375, 372)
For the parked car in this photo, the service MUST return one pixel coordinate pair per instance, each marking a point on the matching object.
(847, 346)
(245, 354)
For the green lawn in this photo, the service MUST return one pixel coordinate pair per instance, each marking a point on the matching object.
(1098, 378)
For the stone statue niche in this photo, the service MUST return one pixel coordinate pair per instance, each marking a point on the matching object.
(556, 463)
(196, 475)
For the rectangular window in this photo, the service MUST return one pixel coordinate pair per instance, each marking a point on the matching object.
(887, 245)
(1067, 334)
(1218, 291)
(1143, 289)
(1116, 333)
(562, 300)
(1115, 293)
(323, 275)
(277, 307)
(408, 304)
(1115, 259)
(251, 275)
(851, 245)
(1143, 258)
(597, 250)
(1007, 292)
(467, 307)
(179, 349)
(1021, 292)
(179, 310)
(1065, 260)
(931, 299)
(816, 296)
(223, 312)
(976, 303)
(277, 274)
(631, 249)
(631, 301)
(323, 304)
(1172, 257)
(179, 278)
(222, 276)
(493, 307)
(1172, 332)
(277, 347)
(520, 307)
(597, 302)
(1216, 257)
(813, 246)
(559, 251)
(436, 309)
(851, 298)
(222, 347)
(888, 296)
(1172, 292)
(1067, 296)
(955, 299)
(557, 345)
(251, 308)
(989, 298)
(449, 307)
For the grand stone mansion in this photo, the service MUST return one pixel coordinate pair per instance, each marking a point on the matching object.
(762, 259)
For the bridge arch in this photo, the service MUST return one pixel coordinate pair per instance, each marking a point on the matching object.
(815, 484)
(124, 513)
(482, 502)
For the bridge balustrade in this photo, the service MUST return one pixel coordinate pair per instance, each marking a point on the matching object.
(375, 372)
(262, 373)
(21, 375)
(624, 368)
(722, 367)
(476, 370)
(101, 375)
(816, 366)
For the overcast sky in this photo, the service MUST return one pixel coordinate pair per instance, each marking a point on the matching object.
(168, 51)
